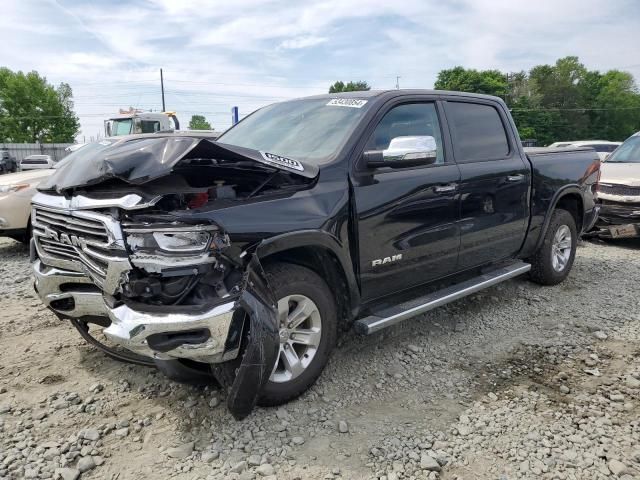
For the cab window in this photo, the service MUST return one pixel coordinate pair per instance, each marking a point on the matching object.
(478, 132)
(408, 120)
(149, 126)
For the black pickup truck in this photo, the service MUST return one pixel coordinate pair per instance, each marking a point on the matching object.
(242, 260)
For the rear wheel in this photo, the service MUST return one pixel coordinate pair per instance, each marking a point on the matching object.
(307, 319)
(552, 262)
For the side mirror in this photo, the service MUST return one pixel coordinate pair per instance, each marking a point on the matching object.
(407, 151)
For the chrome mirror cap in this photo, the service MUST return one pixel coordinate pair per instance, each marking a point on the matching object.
(411, 149)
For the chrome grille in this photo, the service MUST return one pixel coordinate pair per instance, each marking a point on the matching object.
(79, 240)
(64, 222)
(616, 189)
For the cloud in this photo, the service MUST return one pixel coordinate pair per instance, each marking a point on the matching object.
(253, 52)
(302, 42)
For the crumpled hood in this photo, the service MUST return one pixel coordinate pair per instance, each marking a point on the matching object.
(620, 173)
(141, 160)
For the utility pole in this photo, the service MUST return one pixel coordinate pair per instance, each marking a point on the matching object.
(398, 82)
(162, 89)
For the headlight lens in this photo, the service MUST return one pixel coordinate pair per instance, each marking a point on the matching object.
(182, 241)
(170, 241)
(13, 188)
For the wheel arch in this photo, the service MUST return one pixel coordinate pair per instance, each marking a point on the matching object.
(568, 198)
(323, 253)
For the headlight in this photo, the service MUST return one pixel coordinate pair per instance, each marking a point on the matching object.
(182, 241)
(170, 240)
(13, 188)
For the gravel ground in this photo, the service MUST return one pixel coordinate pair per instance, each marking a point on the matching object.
(519, 381)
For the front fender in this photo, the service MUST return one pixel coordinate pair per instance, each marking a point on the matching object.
(317, 239)
(262, 342)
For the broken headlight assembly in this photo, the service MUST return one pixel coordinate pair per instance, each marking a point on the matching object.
(172, 240)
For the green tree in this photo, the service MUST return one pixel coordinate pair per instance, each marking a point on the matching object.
(198, 122)
(340, 86)
(490, 82)
(618, 106)
(32, 110)
(564, 101)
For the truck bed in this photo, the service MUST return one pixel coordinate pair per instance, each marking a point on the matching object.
(555, 170)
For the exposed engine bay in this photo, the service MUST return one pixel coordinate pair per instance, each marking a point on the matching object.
(136, 249)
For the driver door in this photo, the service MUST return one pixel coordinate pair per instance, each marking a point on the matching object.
(407, 217)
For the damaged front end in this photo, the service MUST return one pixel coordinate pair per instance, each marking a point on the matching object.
(619, 215)
(145, 260)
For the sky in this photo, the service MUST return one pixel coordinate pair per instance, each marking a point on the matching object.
(250, 53)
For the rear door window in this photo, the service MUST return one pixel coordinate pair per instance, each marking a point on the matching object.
(478, 132)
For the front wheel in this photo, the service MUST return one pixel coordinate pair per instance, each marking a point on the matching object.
(552, 262)
(307, 319)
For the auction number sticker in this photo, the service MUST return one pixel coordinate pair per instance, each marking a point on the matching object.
(346, 102)
(282, 161)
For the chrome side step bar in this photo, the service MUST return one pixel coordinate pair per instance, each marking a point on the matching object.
(396, 314)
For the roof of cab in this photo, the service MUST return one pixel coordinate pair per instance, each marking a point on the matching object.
(398, 92)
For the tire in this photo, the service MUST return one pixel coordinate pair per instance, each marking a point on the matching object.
(546, 266)
(294, 286)
(187, 372)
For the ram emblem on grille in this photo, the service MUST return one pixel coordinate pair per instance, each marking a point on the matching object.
(64, 238)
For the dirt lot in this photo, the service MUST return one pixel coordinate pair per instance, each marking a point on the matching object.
(517, 382)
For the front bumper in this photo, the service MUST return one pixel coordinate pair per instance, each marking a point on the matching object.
(618, 219)
(73, 295)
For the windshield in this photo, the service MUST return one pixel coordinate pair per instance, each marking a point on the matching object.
(628, 152)
(117, 127)
(311, 131)
(84, 152)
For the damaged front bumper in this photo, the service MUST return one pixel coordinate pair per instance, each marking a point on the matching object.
(210, 336)
(618, 219)
(89, 268)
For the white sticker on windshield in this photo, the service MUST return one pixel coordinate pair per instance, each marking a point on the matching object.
(282, 161)
(105, 143)
(346, 102)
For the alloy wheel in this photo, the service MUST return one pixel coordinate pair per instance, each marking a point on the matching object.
(561, 248)
(300, 333)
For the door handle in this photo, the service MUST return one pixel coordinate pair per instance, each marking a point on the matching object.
(451, 187)
(515, 178)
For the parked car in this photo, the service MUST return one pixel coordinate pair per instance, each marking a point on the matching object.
(619, 192)
(33, 162)
(8, 162)
(16, 191)
(603, 147)
(243, 259)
